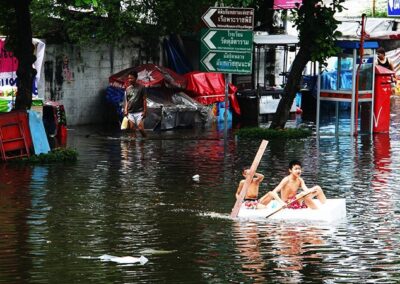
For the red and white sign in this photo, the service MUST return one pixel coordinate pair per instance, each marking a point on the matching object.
(9, 64)
(286, 4)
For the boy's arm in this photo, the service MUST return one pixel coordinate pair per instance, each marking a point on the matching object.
(144, 104)
(391, 67)
(281, 185)
(143, 93)
(304, 187)
(239, 189)
(125, 104)
(277, 189)
(258, 177)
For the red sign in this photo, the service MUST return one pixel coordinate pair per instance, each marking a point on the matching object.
(8, 63)
(286, 4)
(8, 67)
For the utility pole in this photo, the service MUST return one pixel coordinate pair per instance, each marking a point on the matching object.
(373, 8)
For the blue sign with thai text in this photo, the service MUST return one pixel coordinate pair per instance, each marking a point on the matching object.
(393, 8)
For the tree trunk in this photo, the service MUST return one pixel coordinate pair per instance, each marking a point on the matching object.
(23, 51)
(292, 87)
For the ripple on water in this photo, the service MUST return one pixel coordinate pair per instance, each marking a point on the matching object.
(124, 198)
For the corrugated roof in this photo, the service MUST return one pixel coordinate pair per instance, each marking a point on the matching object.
(376, 28)
(263, 39)
(351, 28)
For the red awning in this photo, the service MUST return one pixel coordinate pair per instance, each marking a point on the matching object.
(209, 87)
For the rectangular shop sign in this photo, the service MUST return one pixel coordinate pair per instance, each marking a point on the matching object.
(393, 8)
(286, 4)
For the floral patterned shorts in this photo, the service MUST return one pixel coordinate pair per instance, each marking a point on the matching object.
(251, 203)
(297, 204)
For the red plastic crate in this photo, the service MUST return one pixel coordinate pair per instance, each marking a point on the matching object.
(10, 124)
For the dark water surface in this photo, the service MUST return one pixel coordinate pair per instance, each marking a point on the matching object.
(134, 198)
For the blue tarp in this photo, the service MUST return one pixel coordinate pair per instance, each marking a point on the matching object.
(176, 58)
(39, 137)
(115, 96)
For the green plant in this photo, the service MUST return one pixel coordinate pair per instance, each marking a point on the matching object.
(268, 133)
(54, 156)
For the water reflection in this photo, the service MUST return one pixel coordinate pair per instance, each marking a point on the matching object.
(279, 252)
(123, 197)
(15, 206)
(296, 256)
(248, 244)
(382, 159)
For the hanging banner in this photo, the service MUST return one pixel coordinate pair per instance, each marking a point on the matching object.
(286, 4)
(9, 66)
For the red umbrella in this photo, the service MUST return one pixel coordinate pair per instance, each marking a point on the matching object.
(150, 75)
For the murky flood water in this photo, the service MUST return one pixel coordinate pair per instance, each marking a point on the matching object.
(138, 198)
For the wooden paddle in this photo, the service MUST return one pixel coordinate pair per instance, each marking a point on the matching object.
(286, 205)
(249, 178)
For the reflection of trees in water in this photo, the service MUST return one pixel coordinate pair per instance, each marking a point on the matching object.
(15, 204)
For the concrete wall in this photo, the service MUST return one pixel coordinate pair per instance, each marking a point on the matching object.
(77, 77)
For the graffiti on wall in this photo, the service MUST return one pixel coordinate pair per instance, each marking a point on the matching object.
(56, 73)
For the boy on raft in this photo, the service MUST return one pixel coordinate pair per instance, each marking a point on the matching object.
(288, 188)
(251, 197)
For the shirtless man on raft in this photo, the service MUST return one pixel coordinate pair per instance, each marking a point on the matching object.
(288, 188)
(251, 197)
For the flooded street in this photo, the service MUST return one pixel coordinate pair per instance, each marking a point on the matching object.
(137, 198)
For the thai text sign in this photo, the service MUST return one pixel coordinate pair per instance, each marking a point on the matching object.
(229, 18)
(228, 62)
(227, 40)
(227, 46)
(286, 4)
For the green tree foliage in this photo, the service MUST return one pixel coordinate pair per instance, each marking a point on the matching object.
(114, 20)
(317, 26)
(91, 21)
(110, 21)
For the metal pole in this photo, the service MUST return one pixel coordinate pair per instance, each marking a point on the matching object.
(373, 8)
(373, 94)
(361, 54)
(337, 118)
(227, 81)
(318, 98)
(353, 93)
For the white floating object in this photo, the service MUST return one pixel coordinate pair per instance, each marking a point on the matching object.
(123, 259)
(196, 177)
(156, 251)
(331, 210)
